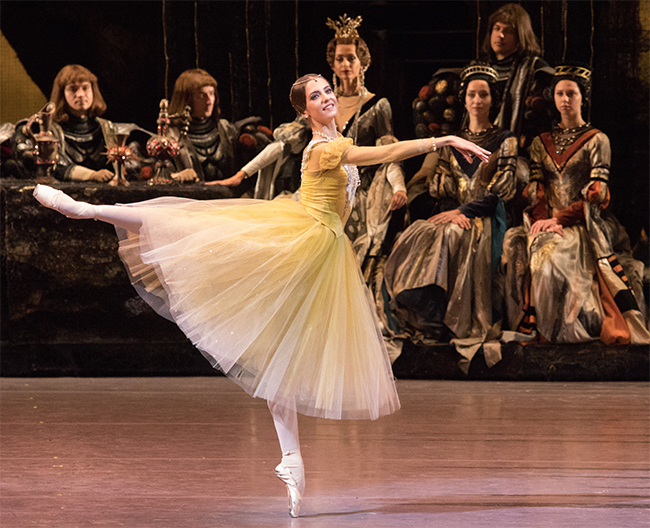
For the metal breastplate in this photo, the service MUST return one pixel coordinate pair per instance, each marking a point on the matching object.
(85, 142)
(206, 140)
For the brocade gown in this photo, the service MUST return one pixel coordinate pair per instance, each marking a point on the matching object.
(368, 221)
(270, 292)
(439, 277)
(584, 285)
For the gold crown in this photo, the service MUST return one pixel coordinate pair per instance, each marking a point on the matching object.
(346, 28)
(573, 71)
(481, 69)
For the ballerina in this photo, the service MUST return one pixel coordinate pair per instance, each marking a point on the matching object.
(270, 291)
(363, 116)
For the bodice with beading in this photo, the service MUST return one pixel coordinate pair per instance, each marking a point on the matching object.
(329, 190)
(566, 170)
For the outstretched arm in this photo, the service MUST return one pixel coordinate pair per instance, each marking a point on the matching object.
(270, 154)
(407, 149)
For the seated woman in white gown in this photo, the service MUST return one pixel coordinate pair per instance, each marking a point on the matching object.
(269, 291)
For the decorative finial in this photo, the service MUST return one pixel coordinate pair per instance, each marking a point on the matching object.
(346, 28)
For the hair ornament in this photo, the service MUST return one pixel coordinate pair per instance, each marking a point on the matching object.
(305, 79)
(346, 28)
(479, 69)
(573, 71)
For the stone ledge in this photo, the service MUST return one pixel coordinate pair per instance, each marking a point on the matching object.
(62, 279)
(178, 357)
(533, 362)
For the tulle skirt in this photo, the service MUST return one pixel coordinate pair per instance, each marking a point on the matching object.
(270, 296)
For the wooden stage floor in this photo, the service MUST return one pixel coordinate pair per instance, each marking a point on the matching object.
(198, 452)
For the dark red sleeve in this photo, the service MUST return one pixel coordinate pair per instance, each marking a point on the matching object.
(595, 194)
(540, 210)
(571, 215)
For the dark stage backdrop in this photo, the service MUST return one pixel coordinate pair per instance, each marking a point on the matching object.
(255, 49)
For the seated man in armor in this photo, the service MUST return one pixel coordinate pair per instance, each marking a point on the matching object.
(211, 147)
(83, 136)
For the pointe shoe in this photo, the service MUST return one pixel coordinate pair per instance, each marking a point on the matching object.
(61, 202)
(294, 491)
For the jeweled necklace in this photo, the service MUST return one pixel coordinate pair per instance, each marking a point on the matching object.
(327, 138)
(564, 137)
(477, 134)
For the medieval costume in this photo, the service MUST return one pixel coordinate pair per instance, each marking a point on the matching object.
(439, 277)
(570, 276)
(584, 285)
(522, 108)
(439, 281)
(368, 223)
(511, 47)
(211, 147)
(83, 143)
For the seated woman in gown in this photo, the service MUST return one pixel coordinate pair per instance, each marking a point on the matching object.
(570, 276)
(82, 135)
(438, 280)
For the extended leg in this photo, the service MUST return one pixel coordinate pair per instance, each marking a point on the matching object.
(128, 218)
(291, 470)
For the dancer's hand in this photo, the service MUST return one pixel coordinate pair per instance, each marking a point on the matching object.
(550, 224)
(467, 148)
(454, 216)
(186, 175)
(398, 200)
(102, 175)
(233, 181)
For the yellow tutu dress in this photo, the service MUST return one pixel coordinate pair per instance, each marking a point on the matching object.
(270, 292)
